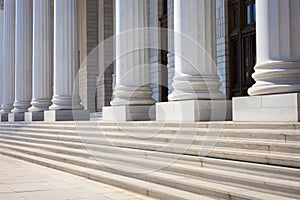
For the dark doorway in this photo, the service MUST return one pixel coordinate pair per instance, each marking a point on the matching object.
(163, 87)
(242, 45)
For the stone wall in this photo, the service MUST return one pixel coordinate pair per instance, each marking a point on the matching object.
(106, 55)
(88, 41)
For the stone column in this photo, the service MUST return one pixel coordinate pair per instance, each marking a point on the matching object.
(8, 59)
(23, 60)
(65, 98)
(196, 82)
(278, 48)
(1, 50)
(132, 94)
(42, 60)
(275, 95)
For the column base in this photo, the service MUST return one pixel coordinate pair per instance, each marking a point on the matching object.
(34, 116)
(129, 113)
(66, 115)
(16, 117)
(4, 117)
(267, 108)
(194, 111)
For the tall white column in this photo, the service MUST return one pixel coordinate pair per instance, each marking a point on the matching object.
(132, 70)
(196, 95)
(278, 47)
(42, 55)
(65, 56)
(23, 56)
(195, 51)
(8, 57)
(132, 94)
(1, 50)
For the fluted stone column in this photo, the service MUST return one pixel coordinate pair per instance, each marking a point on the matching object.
(8, 59)
(23, 60)
(65, 98)
(132, 94)
(275, 95)
(196, 83)
(42, 60)
(1, 51)
(278, 47)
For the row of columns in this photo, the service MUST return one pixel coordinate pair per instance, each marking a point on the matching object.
(32, 53)
(276, 72)
(196, 79)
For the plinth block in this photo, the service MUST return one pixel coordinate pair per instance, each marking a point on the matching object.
(129, 113)
(194, 110)
(267, 108)
(34, 116)
(16, 117)
(66, 115)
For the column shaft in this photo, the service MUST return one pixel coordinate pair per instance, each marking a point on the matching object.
(195, 51)
(278, 47)
(9, 56)
(1, 50)
(42, 55)
(132, 70)
(65, 56)
(23, 59)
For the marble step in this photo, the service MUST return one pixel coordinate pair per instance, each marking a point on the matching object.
(143, 187)
(285, 159)
(151, 124)
(267, 146)
(260, 181)
(189, 184)
(284, 135)
(155, 155)
(155, 125)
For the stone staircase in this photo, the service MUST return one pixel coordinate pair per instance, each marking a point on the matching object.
(168, 161)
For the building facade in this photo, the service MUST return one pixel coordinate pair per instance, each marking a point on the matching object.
(67, 54)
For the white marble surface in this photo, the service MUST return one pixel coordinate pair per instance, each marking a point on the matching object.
(1, 52)
(195, 51)
(278, 48)
(65, 88)
(132, 70)
(194, 111)
(9, 56)
(267, 108)
(66, 115)
(23, 56)
(42, 55)
(129, 113)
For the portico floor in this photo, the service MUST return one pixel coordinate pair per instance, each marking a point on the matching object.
(20, 180)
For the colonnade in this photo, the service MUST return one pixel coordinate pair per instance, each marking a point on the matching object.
(34, 56)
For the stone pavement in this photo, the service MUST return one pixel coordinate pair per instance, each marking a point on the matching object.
(20, 180)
